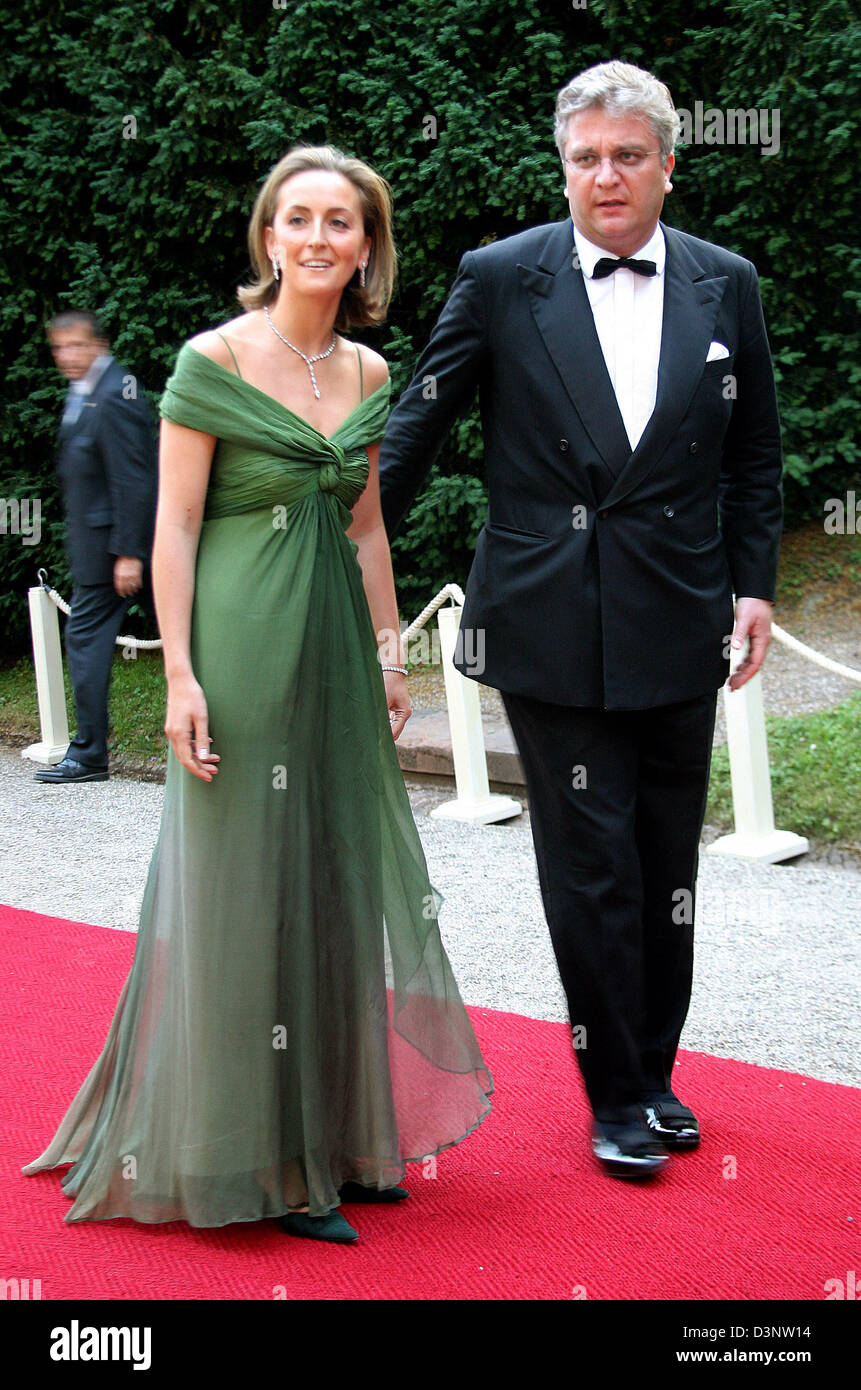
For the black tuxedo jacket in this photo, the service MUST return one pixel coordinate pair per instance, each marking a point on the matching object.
(107, 467)
(601, 577)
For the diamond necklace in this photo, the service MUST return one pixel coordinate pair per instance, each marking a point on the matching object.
(307, 360)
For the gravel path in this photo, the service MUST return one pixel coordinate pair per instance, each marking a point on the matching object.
(777, 964)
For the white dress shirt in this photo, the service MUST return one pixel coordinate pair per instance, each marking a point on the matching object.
(86, 386)
(628, 310)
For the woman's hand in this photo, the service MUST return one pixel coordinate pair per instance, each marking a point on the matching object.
(398, 701)
(187, 727)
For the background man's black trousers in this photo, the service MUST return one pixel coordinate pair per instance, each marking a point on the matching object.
(617, 802)
(90, 638)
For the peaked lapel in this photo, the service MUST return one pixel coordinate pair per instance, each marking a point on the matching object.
(563, 314)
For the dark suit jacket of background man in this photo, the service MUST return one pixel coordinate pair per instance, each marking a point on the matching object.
(108, 473)
(106, 462)
(601, 577)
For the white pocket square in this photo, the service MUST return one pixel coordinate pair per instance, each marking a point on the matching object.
(717, 351)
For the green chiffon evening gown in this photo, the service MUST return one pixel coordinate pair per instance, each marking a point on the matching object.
(290, 1021)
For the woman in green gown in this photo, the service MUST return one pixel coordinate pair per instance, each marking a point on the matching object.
(290, 1033)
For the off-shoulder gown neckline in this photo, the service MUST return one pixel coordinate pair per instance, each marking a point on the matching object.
(286, 409)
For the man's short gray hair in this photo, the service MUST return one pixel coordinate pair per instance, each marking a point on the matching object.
(71, 318)
(620, 88)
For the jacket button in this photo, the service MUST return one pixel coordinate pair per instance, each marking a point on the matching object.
(693, 448)
(668, 511)
(563, 445)
(603, 512)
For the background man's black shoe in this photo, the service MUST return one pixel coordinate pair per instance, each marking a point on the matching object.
(71, 771)
(671, 1123)
(627, 1149)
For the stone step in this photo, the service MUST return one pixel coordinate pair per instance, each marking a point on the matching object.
(424, 747)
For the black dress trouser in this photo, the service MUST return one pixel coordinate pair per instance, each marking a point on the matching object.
(90, 639)
(617, 802)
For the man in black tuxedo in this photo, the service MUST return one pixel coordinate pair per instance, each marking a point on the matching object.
(106, 461)
(633, 456)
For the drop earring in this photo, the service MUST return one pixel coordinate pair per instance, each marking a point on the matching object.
(276, 268)
(362, 275)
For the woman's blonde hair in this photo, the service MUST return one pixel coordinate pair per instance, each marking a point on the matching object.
(359, 308)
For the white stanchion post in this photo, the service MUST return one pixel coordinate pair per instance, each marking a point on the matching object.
(755, 836)
(474, 802)
(48, 663)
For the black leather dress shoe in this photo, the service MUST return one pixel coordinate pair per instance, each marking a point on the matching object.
(71, 771)
(671, 1123)
(627, 1149)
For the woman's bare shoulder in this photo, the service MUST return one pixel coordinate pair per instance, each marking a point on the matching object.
(374, 367)
(212, 343)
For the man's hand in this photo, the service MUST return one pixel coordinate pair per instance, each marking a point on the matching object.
(753, 620)
(128, 575)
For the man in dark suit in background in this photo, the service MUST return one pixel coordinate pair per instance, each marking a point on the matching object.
(628, 408)
(106, 463)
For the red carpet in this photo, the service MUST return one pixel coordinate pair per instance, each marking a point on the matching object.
(518, 1211)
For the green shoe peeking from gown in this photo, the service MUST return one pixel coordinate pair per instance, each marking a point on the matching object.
(331, 1227)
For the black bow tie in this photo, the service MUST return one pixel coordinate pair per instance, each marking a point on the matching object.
(606, 266)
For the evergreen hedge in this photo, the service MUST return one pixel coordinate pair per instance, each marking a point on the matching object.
(135, 137)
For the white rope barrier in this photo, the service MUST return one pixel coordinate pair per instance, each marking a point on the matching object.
(755, 836)
(452, 591)
(141, 644)
(475, 802)
(817, 658)
(455, 593)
